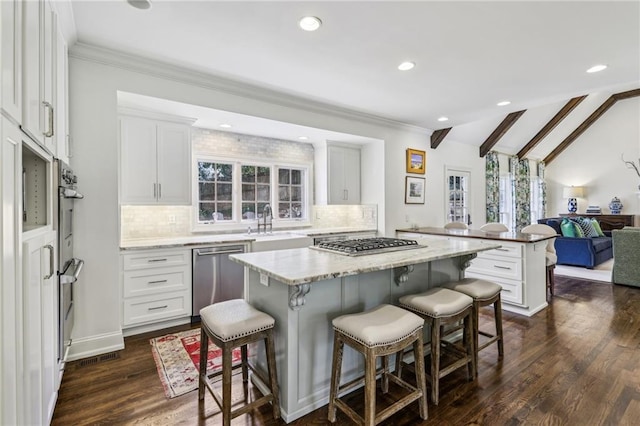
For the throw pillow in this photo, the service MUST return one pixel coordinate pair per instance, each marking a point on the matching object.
(555, 224)
(579, 232)
(597, 227)
(568, 228)
(587, 227)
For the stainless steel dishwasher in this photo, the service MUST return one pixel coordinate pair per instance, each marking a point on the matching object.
(216, 278)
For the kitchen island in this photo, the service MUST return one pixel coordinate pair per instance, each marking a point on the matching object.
(519, 265)
(304, 289)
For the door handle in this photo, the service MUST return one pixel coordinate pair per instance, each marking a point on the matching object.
(49, 132)
(155, 193)
(50, 248)
(159, 191)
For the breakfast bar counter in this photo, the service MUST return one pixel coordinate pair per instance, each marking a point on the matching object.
(305, 289)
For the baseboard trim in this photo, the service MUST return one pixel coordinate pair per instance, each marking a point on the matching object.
(95, 345)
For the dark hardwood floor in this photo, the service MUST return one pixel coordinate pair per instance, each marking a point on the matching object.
(575, 363)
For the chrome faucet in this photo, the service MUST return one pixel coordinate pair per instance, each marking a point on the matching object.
(266, 219)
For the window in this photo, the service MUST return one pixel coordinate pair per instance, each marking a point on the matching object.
(457, 194)
(256, 190)
(537, 207)
(506, 201)
(215, 191)
(236, 191)
(291, 193)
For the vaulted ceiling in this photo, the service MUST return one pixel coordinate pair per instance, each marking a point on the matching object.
(468, 55)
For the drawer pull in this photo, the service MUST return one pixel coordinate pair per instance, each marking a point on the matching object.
(502, 249)
(156, 260)
(157, 282)
(158, 307)
(501, 267)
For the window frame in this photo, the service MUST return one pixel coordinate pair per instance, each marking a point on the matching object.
(237, 222)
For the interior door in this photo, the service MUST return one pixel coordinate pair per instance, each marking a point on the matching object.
(457, 195)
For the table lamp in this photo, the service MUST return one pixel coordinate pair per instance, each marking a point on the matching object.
(572, 193)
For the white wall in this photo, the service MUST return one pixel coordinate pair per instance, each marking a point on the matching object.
(593, 161)
(93, 120)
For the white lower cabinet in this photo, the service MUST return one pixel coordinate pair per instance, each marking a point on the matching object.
(504, 266)
(40, 328)
(156, 286)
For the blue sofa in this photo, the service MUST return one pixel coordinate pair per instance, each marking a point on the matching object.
(575, 251)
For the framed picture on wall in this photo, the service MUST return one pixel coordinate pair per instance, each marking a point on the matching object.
(414, 190)
(416, 161)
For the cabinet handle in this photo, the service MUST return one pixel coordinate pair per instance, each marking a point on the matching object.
(345, 194)
(156, 260)
(501, 249)
(159, 191)
(158, 307)
(155, 193)
(50, 248)
(501, 267)
(49, 132)
(157, 282)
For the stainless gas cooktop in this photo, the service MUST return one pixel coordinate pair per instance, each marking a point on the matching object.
(364, 246)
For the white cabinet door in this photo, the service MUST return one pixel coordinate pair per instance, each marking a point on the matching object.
(11, 58)
(40, 329)
(38, 118)
(155, 164)
(138, 161)
(174, 160)
(10, 267)
(343, 175)
(61, 95)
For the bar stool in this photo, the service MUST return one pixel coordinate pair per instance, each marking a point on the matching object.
(231, 324)
(439, 307)
(483, 293)
(379, 332)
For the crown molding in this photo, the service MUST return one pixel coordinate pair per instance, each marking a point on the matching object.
(114, 58)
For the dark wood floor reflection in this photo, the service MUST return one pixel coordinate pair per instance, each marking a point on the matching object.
(575, 363)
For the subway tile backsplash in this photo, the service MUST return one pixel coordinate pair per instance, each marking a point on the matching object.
(140, 222)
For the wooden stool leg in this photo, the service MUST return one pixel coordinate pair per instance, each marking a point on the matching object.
(469, 329)
(204, 347)
(435, 360)
(399, 356)
(226, 384)
(551, 279)
(370, 388)
(385, 371)
(245, 370)
(476, 333)
(273, 374)
(336, 368)
(497, 308)
(418, 352)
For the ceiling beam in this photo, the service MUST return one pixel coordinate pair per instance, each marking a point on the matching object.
(438, 136)
(569, 106)
(499, 132)
(589, 121)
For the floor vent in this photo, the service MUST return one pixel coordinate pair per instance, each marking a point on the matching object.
(97, 359)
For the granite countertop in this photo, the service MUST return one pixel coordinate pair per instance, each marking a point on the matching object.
(240, 238)
(517, 237)
(305, 265)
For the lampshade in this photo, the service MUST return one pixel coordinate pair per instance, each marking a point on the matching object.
(573, 192)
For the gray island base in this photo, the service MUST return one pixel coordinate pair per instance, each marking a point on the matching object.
(305, 289)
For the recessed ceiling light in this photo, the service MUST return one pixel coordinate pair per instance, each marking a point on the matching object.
(503, 103)
(406, 66)
(225, 126)
(310, 23)
(443, 119)
(140, 4)
(596, 68)
(303, 138)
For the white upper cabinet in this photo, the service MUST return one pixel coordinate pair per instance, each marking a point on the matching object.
(61, 96)
(155, 160)
(343, 174)
(11, 58)
(38, 104)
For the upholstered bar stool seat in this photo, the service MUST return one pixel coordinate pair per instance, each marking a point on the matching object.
(439, 307)
(231, 324)
(379, 332)
(483, 293)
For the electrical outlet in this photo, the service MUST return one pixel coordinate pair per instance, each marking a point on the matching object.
(264, 280)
